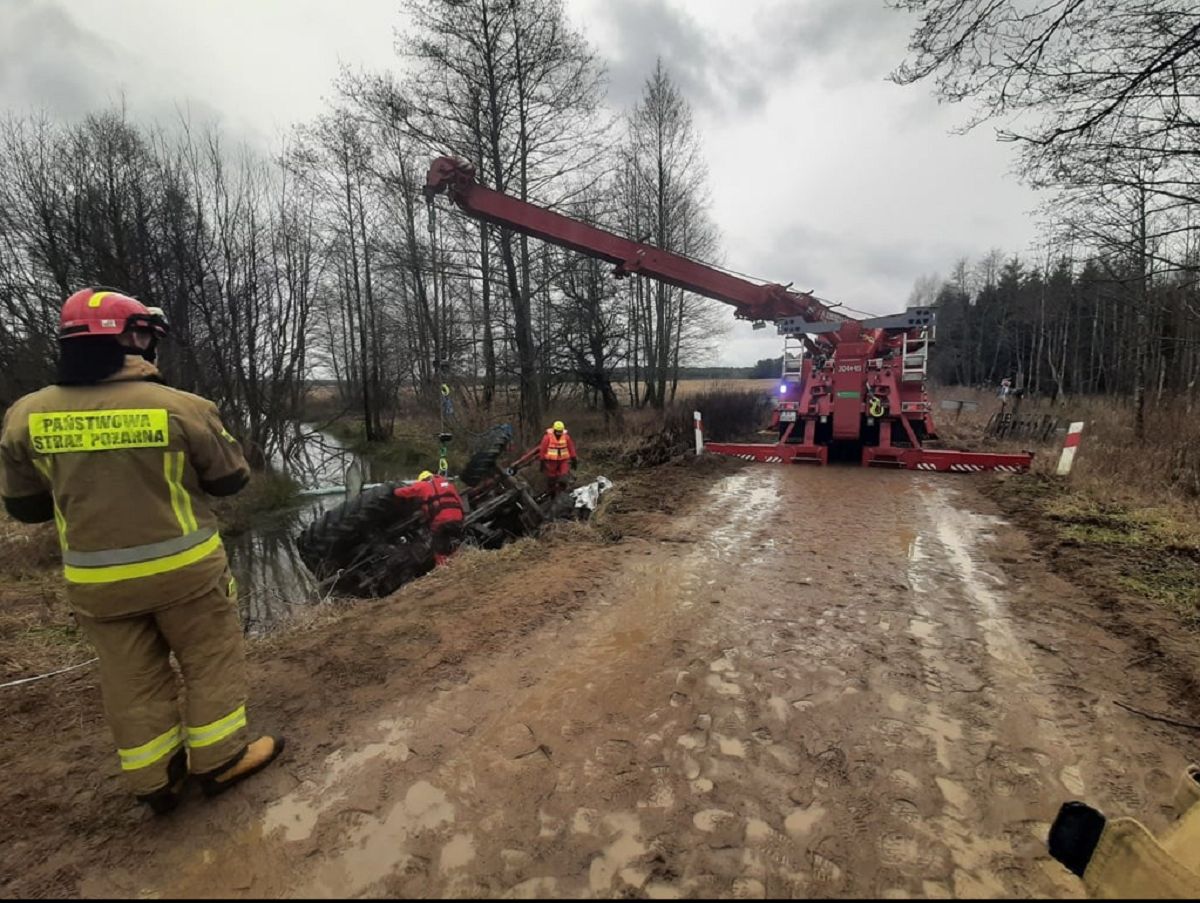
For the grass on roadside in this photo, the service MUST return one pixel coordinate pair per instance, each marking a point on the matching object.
(1128, 516)
(37, 632)
(1151, 551)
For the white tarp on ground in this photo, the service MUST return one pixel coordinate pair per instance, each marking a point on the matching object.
(589, 496)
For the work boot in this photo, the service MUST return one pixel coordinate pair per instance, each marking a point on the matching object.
(251, 760)
(166, 798)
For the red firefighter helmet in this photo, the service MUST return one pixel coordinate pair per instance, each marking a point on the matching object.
(101, 311)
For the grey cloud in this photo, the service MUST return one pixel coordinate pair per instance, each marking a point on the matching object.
(50, 63)
(706, 69)
(839, 40)
(856, 271)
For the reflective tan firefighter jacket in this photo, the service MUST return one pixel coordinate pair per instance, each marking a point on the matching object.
(123, 467)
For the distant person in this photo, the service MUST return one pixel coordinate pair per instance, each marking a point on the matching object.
(442, 508)
(123, 465)
(557, 454)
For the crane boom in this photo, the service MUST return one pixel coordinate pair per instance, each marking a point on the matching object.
(861, 385)
(750, 300)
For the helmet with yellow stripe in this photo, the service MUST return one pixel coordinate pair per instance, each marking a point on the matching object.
(102, 311)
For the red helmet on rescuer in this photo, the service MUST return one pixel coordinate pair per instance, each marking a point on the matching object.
(100, 311)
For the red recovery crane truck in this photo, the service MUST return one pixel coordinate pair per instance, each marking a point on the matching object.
(848, 385)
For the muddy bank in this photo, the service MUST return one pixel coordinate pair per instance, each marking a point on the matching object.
(1136, 575)
(67, 814)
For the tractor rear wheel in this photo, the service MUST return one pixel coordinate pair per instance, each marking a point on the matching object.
(368, 546)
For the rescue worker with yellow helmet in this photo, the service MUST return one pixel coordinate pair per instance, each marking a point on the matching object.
(442, 508)
(122, 464)
(557, 455)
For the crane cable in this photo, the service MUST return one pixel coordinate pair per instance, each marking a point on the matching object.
(446, 404)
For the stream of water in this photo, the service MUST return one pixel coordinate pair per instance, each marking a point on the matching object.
(272, 580)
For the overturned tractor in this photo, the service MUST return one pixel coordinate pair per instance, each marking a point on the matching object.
(374, 543)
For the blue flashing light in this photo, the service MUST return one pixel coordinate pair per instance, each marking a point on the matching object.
(783, 388)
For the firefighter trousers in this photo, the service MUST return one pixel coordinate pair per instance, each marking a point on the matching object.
(556, 474)
(139, 685)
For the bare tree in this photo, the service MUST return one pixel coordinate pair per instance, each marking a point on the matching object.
(510, 84)
(591, 337)
(1106, 99)
(217, 240)
(334, 156)
(1081, 72)
(662, 185)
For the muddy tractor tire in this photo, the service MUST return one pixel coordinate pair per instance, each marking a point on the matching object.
(368, 546)
(490, 446)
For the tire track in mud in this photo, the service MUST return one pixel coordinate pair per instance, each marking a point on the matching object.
(812, 685)
(568, 724)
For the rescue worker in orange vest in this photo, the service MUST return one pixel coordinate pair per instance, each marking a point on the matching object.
(443, 510)
(557, 454)
(122, 464)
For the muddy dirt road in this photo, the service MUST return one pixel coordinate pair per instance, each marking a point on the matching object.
(804, 683)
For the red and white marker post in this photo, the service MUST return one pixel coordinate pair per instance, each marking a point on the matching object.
(699, 432)
(1074, 433)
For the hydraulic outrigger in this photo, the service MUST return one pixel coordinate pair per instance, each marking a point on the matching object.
(848, 385)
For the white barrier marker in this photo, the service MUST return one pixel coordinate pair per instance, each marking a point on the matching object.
(1069, 447)
(699, 433)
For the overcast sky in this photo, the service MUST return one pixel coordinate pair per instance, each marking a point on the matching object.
(822, 172)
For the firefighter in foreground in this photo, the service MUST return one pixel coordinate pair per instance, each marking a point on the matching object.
(442, 508)
(122, 464)
(557, 454)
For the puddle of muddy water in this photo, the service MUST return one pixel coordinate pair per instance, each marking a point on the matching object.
(743, 499)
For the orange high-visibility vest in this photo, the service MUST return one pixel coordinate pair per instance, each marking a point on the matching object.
(443, 506)
(557, 448)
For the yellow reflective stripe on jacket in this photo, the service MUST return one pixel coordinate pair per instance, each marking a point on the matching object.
(115, 572)
(181, 499)
(59, 432)
(60, 522)
(151, 551)
(149, 753)
(216, 731)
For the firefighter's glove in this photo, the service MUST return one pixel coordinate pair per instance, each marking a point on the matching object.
(574, 463)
